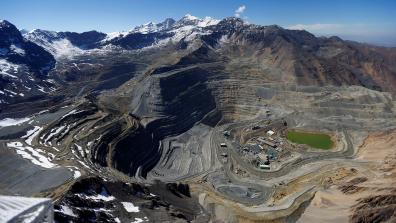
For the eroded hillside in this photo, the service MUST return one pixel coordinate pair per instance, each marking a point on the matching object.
(192, 124)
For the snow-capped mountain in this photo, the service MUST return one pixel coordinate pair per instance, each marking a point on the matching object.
(51, 41)
(146, 28)
(68, 44)
(44, 48)
(65, 44)
(168, 31)
(14, 48)
(154, 27)
(167, 25)
(23, 65)
(189, 20)
(27, 56)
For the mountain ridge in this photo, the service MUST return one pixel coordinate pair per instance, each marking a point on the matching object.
(198, 101)
(302, 57)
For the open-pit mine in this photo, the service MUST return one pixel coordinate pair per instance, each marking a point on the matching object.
(222, 122)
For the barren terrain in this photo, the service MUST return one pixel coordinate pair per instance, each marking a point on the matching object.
(195, 129)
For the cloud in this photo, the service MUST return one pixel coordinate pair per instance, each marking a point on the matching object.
(318, 27)
(240, 10)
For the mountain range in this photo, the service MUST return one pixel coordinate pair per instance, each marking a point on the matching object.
(304, 58)
(101, 120)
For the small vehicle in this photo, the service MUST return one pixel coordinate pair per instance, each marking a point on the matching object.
(256, 127)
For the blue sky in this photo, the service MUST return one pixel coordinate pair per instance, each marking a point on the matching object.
(371, 21)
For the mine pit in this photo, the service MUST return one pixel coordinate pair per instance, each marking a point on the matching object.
(233, 122)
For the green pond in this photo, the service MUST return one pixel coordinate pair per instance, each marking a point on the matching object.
(315, 140)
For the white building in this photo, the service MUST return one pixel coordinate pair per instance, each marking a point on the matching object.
(264, 166)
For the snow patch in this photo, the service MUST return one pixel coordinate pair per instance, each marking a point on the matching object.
(103, 196)
(75, 170)
(41, 88)
(129, 207)
(190, 17)
(51, 41)
(11, 122)
(43, 111)
(11, 92)
(54, 131)
(207, 21)
(146, 28)
(66, 210)
(30, 134)
(80, 150)
(6, 68)
(17, 49)
(113, 35)
(89, 143)
(139, 220)
(76, 174)
(74, 111)
(224, 39)
(63, 48)
(31, 217)
(31, 154)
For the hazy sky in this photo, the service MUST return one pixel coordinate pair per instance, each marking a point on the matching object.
(371, 21)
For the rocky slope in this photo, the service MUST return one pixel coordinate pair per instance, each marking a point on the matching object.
(24, 66)
(152, 104)
(298, 56)
(93, 200)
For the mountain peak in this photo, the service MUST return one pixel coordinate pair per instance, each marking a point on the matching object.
(146, 28)
(208, 21)
(40, 31)
(9, 34)
(43, 35)
(151, 27)
(233, 19)
(169, 20)
(189, 17)
(5, 23)
(167, 23)
(232, 22)
(189, 20)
